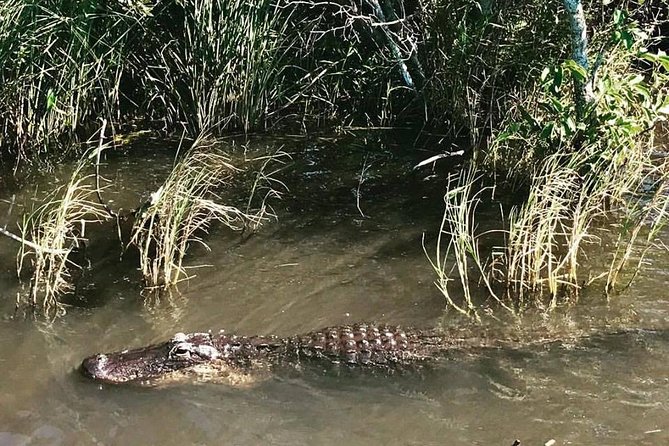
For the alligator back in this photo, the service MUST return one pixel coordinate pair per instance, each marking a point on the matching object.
(366, 345)
(354, 345)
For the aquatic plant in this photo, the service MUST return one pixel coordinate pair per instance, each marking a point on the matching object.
(181, 211)
(578, 174)
(51, 233)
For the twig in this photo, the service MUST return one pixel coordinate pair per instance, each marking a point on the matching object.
(361, 180)
(30, 244)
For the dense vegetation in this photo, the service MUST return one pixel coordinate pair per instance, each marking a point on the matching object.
(498, 74)
(205, 66)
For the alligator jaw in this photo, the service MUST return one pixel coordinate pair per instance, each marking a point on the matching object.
(94, 367)
(214, 371)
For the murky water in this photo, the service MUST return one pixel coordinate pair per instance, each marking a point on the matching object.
(324, 263)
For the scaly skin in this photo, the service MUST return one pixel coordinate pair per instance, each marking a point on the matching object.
(235, 359)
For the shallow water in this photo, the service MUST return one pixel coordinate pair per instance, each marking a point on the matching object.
(325, 263)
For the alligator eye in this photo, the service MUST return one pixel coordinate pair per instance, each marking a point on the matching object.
(181, 350)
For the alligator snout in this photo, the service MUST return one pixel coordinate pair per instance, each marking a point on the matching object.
(93, 367)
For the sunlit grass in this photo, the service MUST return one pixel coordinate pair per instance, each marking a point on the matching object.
(62, 63)
(575, 181)
(51, 233)
(181, 211)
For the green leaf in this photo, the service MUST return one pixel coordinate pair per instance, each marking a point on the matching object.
(558, 76)
(570, 125)
(51, 100)
(627, 38)
(642, 89)
(557, 105)
(547, 131)
(544, 74)
(664, 60)
(502, 137)
(530, 119)
(663, 110)
(619, 17)
(577, 71)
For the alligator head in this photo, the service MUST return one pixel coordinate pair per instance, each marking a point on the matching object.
(180, 357)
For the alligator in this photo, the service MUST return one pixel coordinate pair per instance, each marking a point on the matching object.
(243, 360)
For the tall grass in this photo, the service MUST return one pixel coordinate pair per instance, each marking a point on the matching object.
(50, 233)
(199, 66)
(577, 177)
(181, 211)
(61, 65)
(216, 64)
(209, 66)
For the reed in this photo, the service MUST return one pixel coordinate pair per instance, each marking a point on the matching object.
(51, 233)
(577, 177)
(182, 210)
(62, 64)
(216, 64)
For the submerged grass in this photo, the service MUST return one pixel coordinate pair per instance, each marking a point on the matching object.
(457, 246)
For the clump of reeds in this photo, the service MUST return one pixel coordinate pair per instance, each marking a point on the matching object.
(457, 245)
(576, 177)
(51, 233)
(181, 210)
